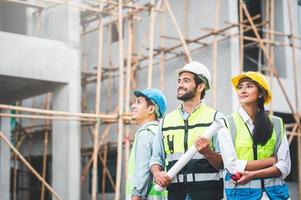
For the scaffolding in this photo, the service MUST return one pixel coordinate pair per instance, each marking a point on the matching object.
(108, 12)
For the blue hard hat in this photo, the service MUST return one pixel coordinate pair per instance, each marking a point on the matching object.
(156, 97)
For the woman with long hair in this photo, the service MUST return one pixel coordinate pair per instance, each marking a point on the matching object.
(259, 139)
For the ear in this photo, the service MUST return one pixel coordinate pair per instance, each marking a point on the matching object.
(201, 87)
(152, 109)
(261, 94)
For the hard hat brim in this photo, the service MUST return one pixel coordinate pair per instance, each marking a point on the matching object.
(138, 93)
(179, 71)
(235, 81)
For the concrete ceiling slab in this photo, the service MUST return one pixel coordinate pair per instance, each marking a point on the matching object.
(13, 89)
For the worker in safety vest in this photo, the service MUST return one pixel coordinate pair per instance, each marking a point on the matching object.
(201, 178)
(259, 139)
(150, 105)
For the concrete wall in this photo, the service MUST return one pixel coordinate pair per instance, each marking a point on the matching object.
(35, 58)
(13, 18)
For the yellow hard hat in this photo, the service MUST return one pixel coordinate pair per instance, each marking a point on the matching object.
(259, 79)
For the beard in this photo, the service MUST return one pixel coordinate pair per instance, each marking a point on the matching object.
(189, 94)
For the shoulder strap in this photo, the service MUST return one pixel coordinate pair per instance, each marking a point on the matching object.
(151, 128)
(232, 127)
(278, 125)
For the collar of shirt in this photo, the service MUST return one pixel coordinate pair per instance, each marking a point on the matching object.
(185, 115)
(246, 118)
(147, 124)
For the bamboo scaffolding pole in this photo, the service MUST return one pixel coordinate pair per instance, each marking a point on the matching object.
(199, 48)
(108, 173)
(80, 6)
(44, 117)
(151, 45)
(127, 91)
(14, 158)
(151, 33)
(271, 49)
(195, 40)
(90, 162)
(206, 35)
(267, 26)
(129, 5)
(266, 41)
(273, 32)
(54, 112)
(214, 53)
(97, 110)
(270, 63)
(44, 163)
(84, 68)
(47, 105)
(162, 45)
(137, 10)
(241, 40)
(293, 133)
(295, 73)
(15, 177)
(45, 151)
(103, 181)
(121, 98)
(29, 167)
(183, 42)
(18, 145)
(26, 128)
(299, 161)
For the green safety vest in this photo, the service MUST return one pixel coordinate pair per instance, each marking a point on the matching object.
(152, 194)
(243, 142)
(178, 136)
(275, 187)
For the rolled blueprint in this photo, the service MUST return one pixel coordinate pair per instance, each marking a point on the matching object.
(185, 158)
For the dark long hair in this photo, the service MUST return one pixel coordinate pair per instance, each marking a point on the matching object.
(263, 126)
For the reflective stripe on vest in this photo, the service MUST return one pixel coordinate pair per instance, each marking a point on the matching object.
(274, 187)
(177, 156)
(198, 177)
(243, 140)
(254, 184)
(180, 135)
(152, 194)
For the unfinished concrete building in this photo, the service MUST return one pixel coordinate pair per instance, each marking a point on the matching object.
(68, 69)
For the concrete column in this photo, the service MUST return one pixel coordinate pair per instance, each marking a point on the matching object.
(66, 137)
(5, 160)
(63, 23)
(233, 11)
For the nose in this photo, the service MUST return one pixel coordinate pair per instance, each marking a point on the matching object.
(180, 83)
(242, 89)
(133, 106)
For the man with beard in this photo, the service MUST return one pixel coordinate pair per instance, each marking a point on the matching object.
(201, 177)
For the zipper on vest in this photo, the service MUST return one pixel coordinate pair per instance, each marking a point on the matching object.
(186, 135)
(255, 158)
(185, 148)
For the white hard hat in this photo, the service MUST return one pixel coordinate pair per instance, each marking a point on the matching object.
(199, 69)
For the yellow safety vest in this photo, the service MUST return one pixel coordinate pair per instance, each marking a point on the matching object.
(178, 136)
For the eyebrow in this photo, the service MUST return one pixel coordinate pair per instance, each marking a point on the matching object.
(185, 78)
